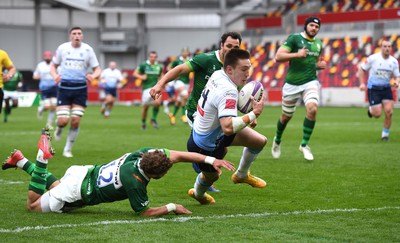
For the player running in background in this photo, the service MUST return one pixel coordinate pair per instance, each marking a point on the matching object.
(111, 77)
(382, 67)
(47, 87)
(217, 125)
(302, 51)
(126, 177)
(149, 72)
(5, 63)
(11, 93)
(69, 68)
(181, 87)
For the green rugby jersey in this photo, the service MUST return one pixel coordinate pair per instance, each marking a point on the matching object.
(203, 65)
(153, 73)
(118, 180)
(12, 84)
(183, 77)
(302, 70)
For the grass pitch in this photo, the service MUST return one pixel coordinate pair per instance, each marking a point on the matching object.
(349, 193)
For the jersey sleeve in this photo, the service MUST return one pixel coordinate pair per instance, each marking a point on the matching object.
(6, 60)
(289, 43)
(93, 58)
(366, 65)
(227, 103)
(197, 62)
(57, 56)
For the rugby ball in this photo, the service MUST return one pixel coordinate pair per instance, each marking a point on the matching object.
(252, 88)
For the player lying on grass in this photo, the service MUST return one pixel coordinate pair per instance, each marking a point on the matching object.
(124, 178)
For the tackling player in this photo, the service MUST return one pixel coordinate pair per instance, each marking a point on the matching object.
(126, 177)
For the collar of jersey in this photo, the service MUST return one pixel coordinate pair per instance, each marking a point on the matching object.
(142, 172)
(305, 37)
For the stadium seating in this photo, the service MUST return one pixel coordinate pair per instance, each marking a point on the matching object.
(358, 5)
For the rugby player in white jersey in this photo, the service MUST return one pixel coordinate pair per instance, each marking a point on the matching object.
(69, 68)
(218, 125)
(382, 67)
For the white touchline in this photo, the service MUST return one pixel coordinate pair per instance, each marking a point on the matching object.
(10, 182)
(190, 218)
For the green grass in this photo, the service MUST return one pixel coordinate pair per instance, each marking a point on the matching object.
(349, 193)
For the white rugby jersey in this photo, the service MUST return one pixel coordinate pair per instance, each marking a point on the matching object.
(74, 62)
(380, 70)
(218, 99)
(111, 77)
(43, 71)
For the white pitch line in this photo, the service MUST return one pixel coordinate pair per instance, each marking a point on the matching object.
(191, 218)
(10, 182)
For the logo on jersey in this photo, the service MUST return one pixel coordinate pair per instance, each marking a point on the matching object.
(230, 104)
(137, 177)
(200, 111)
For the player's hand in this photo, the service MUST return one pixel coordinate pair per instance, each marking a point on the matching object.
(253, 124)
(155, 92)
(218, 163)
(258, 106)
(395, 84)
(321, 65)
(302, 52)
(362, 87)
(6, 77)
(181, 209)
(57, 79)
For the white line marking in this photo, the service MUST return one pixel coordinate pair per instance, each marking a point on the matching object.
(10, 182)
(185, 219)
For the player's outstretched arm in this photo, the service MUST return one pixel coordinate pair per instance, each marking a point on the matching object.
(163, 210)
(171, 75)
(180, 156)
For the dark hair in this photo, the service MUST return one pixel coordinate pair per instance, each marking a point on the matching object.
(232, 57)
(312, 19)
(75, 28)
(155, 163)
(234, 35)
(153, 52)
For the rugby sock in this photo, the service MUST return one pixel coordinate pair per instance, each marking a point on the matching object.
(38, 180)
(72, 134)
(279, 131)
(248, 157)
(200, 187)
(155, 113)
(29, 167)
(50, 117)
(176, 108)
(183, 111)
(385, 132)
(308, 127)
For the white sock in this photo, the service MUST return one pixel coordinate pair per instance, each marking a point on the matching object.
(50, 117)
(40, 158)
(22, 162)
(245, 162)
(72, 134)
(200, 187)
(385, 132)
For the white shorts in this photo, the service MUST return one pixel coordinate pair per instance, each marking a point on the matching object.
(309, 92)
(69, 189)
(10, 94)
(146, 97)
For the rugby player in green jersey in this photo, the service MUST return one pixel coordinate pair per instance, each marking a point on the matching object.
(203, 65)
(303, 52)
(126, 177)
(11, 93)
(149, 72)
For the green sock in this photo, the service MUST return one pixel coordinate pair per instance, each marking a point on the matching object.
(155, 113)
(143, 121)
(183, 111)
(38, 180)
(279, 131)
(308, 127)
(29, 167)
(176, 108)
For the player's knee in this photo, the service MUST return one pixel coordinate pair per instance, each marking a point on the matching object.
(53, 101)
(288, 110)
(77, 112)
